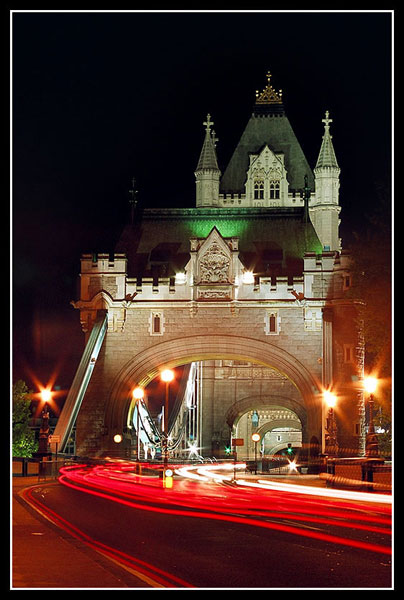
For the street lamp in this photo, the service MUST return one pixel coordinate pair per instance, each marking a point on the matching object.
(46, 396)
(331, 436)
(167, 376)
(372, 445)
(138, 394)
(255, 438)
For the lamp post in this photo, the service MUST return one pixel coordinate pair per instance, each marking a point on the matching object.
(138, 394)
(44, 432)
(331, 442)
(46, 396)
(372, 445)
(255, 438)
(167, 376)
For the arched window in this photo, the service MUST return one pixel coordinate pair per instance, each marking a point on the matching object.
(259, 189)
(274, 189)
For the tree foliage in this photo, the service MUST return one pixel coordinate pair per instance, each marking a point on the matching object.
(23, 440)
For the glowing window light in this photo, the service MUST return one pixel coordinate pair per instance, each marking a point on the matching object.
(180, 277)
(248, 277)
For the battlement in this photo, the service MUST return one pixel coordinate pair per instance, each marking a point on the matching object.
(320, 262)
(261, 288)
(103, 263)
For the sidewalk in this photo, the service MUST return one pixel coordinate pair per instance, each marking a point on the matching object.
(44, 556)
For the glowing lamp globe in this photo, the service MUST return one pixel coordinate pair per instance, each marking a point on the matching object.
(370, 384)
(330, 399)
(167, 375)
(46, 395)
(138, 393)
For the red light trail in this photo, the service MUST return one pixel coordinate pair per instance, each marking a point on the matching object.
(119, 484)
(267, 508)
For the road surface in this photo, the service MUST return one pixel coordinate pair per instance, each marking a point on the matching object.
(208, 531)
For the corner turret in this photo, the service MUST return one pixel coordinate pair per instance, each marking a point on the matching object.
(207, 172)
(324, 211)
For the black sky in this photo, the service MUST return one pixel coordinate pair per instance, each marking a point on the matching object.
(98, 98)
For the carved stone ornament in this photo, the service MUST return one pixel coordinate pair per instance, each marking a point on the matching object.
(214, 265)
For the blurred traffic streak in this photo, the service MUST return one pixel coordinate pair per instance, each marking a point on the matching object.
(179, 535)
(211, 492)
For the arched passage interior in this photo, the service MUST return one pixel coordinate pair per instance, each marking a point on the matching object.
(143, 367)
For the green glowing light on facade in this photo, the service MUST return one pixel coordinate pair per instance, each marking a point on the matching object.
(228, 228)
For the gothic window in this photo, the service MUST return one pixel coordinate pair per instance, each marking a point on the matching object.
(258, 189)
(272, 323)
(156, 323)
(274, 190)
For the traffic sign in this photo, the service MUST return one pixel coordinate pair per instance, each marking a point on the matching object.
(54, 439)
(237, 442)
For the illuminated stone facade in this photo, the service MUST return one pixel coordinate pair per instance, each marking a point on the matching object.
(252, 280)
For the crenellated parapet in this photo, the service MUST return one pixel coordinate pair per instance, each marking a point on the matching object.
(101, 272)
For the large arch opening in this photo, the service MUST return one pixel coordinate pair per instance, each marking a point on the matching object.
(215, 350)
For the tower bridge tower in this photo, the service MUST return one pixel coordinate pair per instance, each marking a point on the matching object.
(250, 285)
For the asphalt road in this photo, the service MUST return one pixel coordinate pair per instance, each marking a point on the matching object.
(208, 535)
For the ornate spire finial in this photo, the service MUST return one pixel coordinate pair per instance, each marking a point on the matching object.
(268, 95)
(327, 120)
(208, 123)
(214, 138)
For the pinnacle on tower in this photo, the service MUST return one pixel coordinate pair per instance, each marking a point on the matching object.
(326, 157)
(207, 172)
(207, 159)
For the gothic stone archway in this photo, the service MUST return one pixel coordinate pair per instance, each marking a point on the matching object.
(143, 367)
(268, 404)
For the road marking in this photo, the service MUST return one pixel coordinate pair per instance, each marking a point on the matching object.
(132, 571)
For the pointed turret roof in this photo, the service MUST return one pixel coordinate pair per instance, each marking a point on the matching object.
(326, 157)
(208, 159)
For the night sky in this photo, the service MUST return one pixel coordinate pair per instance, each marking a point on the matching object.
(99, 98)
